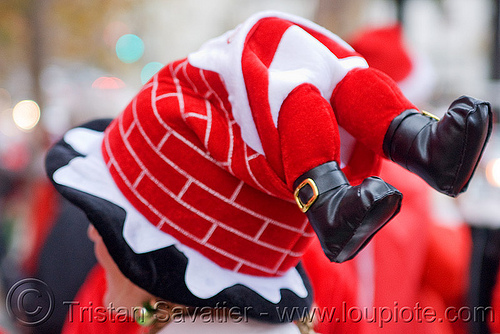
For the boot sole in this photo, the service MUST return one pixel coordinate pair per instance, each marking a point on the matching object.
(381, 212)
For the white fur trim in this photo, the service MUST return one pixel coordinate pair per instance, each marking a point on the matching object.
(223, 55)
(306, 61)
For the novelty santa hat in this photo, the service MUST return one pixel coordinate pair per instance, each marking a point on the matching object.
(385, 49)
(159, 185)
(191, 187)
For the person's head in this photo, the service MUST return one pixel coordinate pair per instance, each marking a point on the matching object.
(120, 291)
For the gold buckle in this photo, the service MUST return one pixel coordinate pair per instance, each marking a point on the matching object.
(428, 114)
(304, 207)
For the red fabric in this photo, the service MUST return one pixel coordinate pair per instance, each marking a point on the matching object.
(449, 255)
(493, 318)
(43, 211)
(334, 286)
(213, 213)
(418, 260)
(88, 314)
(365, 103)
(447, 263)
(296, 121)
(400, 248)
(181, 157)
(262, 42)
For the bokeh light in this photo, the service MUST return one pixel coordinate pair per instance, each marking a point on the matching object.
(493, 172)
(149, 70)
(129, 48)
(108, 83)
(26, 115)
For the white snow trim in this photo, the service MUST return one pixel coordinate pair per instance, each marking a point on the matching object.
(203, 278)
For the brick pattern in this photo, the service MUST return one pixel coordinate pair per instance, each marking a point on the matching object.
(177, 154)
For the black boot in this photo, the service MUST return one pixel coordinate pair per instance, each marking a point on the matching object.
(344, 217)
(443, 152)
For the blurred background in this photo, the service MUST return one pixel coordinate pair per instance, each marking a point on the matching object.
(65, 62)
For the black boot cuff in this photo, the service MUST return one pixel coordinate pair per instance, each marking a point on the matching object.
(324, 177)
(395, 149)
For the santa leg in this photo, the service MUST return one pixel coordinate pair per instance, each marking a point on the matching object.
(344, 217)
(443, 152)
(370, 106)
